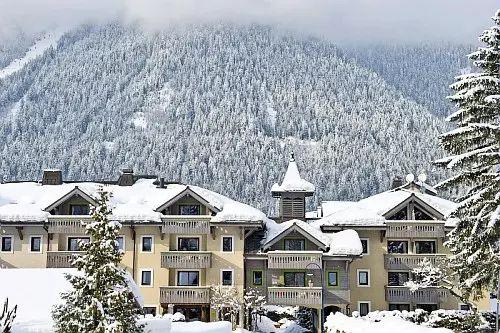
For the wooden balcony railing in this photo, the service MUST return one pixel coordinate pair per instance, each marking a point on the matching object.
(186, 259)
(67, 224)
(295, 296)
(415, 229)
(185, 295)
(60, 259)
(294, 259)
(410, 261)
(404, 294)
(184, 224)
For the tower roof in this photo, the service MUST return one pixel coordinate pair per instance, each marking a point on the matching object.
(293, 182)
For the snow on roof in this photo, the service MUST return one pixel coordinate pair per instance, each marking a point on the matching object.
(293, 182)
(36, 290)
(26, 201)
(345, 242)
(330, 207)
(370, 211)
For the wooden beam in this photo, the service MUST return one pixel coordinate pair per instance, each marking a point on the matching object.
(20, 232)
(162, 235)
(242, 233)
(212, 232)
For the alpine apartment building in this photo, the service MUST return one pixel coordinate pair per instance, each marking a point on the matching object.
(179, 240)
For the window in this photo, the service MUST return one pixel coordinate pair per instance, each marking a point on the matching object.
(189, 209)
(399, 307)
(398, 278)
(363, 278)
(422, 247)
(365, 244)
(146, 277)
(397, 246)
(227, 244)
(188, 278)
(257, 278)
(227, 277)
(36, 244)
(79, 209)
(421, 215)
(188, 244)
(151, 310)
(364, 308)
(400, 215)
(7, 244)
(74, 243)
(147, 243)
(295, 279)
(120, 240)
(464, 307)
(427, 307)
(333, 279)
(295, 244)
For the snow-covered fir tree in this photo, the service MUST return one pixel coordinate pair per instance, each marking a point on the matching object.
(227, 303)
(7, 317)
(254, 303)
(101, 300)
(473, 149)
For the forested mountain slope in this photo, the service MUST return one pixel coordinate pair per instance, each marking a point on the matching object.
(218, 106)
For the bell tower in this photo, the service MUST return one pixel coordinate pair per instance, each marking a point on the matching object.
(292, 194)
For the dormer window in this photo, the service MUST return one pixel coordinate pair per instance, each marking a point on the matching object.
(189, 209)
(295, 244)
(400, 215)
(79, 209)
(421, 215)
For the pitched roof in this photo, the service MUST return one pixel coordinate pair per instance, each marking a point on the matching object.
(27, 201)
(293, 182)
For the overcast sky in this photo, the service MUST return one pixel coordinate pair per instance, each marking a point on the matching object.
(339, 20)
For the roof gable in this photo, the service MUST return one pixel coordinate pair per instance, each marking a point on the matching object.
(299, 227)
(414, 199)
(187, 191)
(75, 191)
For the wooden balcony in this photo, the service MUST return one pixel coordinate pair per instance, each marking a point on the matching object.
(304, 296)
(60, 259)
(67, 224)
(186, 224)
(415, 229)
(185, 295)
(410, 261)
(186, 259)
(294, 259)
(404, 295)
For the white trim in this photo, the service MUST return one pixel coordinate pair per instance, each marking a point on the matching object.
(188, 236)
(124, 246)
(152, 278)
(75, 236)
(357, 277)
(222, 243)
(152, 244)
(12, 243)
(41, 244)
(187, 270)
(367, 245)
(232, 276)
(369, 306)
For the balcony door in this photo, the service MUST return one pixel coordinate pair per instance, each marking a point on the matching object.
(73, 243)
(295, 279)
(188, 278)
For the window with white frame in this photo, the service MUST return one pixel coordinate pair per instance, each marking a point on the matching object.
(146, 277)
(147, 244)
(365, 243)
(7, 244)
(35, 243)
(227, 243)
(363, 277)
(364, 307)
(227, 277)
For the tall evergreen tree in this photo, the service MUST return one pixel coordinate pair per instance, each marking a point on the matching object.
(474, 156)
(101, 300)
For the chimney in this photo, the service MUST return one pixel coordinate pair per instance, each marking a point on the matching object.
(397, 181)
(52, 177)
(162, 183)
(126, 178)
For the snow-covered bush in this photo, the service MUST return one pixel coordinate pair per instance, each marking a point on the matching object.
(7, 317)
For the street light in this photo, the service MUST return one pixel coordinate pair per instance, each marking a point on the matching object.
(321, 276)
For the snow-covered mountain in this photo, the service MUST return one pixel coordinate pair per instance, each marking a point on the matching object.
(218, 106)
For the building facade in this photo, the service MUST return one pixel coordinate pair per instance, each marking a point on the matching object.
(179, 240)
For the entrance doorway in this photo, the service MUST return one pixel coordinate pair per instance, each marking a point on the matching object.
(331, 309)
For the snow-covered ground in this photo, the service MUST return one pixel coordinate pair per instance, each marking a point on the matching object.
(49, 40)
(340, 323)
